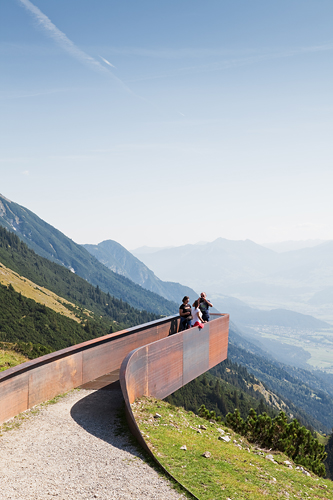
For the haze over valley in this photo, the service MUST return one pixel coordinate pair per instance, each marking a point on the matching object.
(274, 296)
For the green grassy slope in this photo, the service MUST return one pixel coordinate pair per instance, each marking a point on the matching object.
(214, 462)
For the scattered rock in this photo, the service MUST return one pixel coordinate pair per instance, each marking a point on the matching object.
(199, 431)
(184, 447)
(157, 415)
(286, 462)
(207, 454)
(271, 458)
(220, 430)
(224, 438)
(203, 427)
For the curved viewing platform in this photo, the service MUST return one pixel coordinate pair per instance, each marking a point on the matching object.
(154, 359)
(160, 368)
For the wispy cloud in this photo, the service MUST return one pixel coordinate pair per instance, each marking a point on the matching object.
(249, 57)
(197, 53)
(26, 172)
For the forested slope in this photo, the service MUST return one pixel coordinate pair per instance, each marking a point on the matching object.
(15, 255)
(36, 329)
(228, 386)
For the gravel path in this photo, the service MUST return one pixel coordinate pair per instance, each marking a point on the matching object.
(70, 451)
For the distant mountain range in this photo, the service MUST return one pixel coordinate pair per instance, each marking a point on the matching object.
(121, 261)
(50, 243)
(287, 246)
(301, 280)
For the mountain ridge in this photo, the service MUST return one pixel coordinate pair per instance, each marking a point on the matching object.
(118, 259)
(50, 243)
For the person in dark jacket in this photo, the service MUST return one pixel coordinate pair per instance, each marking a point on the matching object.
(185, 314)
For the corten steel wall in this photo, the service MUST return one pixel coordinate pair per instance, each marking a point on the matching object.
(160, 368)
(43, 378)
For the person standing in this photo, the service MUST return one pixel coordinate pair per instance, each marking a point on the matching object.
(185, 314)
(197, 316)
(204, 305)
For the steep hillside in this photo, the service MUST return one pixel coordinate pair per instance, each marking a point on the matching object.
(24, 320)
(15, 254)
(230, 385)
(121, 261)
(39, 294)
(51, 244)
(306, 390)
(214, 462)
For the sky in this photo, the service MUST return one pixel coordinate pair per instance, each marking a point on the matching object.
(166, 123)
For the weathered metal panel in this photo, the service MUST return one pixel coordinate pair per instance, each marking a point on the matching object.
(176, 360)
(108, 357)
(195, 352)
(99, 360)
(46, 381)
(13, 396)
(218, 340)
(137, 376)
(165, 366)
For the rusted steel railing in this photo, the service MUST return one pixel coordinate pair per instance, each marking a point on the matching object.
(160, 368)
(31, 383)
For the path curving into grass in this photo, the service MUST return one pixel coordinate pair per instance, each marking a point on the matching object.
(72, 450)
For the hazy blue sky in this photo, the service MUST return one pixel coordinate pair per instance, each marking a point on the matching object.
(165, 123)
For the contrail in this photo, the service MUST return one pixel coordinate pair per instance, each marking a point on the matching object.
(107, 62)
(61, 39)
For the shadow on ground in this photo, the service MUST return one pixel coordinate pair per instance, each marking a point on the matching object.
(102, 414)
